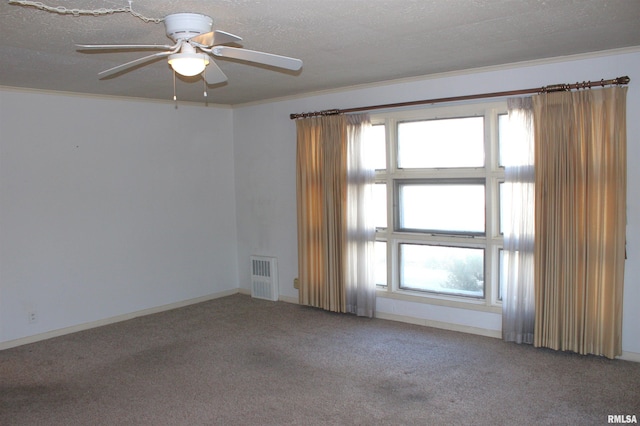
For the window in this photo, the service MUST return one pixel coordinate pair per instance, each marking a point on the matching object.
(453, 142)
(437, 192)
(442, 269)
(452, 206)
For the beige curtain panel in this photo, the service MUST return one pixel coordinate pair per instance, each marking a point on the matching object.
(321, 190)
(580, 208)
(335, 233)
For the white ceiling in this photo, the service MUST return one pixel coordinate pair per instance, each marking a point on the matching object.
(342, 42)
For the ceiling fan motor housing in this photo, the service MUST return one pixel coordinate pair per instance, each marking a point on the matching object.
(183, 26)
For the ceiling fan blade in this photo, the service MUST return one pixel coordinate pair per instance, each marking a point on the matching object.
(215, 38)
(131, 64)
(213, 74)
(124, 46)
(278, 61)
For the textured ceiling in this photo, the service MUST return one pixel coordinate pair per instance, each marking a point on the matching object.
(342, 42)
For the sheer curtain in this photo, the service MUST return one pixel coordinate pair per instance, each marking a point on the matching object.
(360, 282)
(581, 169)
(518, 310)
(335, 238)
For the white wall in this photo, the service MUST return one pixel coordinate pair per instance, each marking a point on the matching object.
(264, 139)
(109, 207)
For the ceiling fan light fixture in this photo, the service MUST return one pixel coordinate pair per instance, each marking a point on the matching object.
(188, 64)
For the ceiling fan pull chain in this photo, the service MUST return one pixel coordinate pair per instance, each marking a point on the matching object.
(204, 81)
(175, 98)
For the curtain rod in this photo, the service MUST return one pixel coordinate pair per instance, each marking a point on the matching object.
(545, 89)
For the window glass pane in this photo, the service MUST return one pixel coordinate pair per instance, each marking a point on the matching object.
(380, 205)
(442, 207)
(380, 271)
(451, 270)
(376, 146)
(502, 123)
(454, 142)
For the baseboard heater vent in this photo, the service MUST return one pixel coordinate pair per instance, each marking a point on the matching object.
(264, 278)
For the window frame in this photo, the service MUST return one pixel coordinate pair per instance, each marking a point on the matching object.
(491, 174)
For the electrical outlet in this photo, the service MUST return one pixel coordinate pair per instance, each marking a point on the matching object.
(32, 317)
(296, 283)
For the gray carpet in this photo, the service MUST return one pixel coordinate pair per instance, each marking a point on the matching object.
(242, 361)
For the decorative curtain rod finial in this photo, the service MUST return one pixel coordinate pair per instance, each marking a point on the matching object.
(623, 80)
(619, 81)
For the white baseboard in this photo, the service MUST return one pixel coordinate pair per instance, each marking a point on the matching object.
(626, 355)
(112, 320)
(281, 298)
(413, 320)
(289, 299)
(630, 356)
(442, 325)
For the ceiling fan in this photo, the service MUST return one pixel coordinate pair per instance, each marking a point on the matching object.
(195, 43)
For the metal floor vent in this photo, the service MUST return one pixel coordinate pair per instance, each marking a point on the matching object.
(264, 278)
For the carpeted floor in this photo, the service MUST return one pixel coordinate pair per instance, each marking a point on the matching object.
(242, 361)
